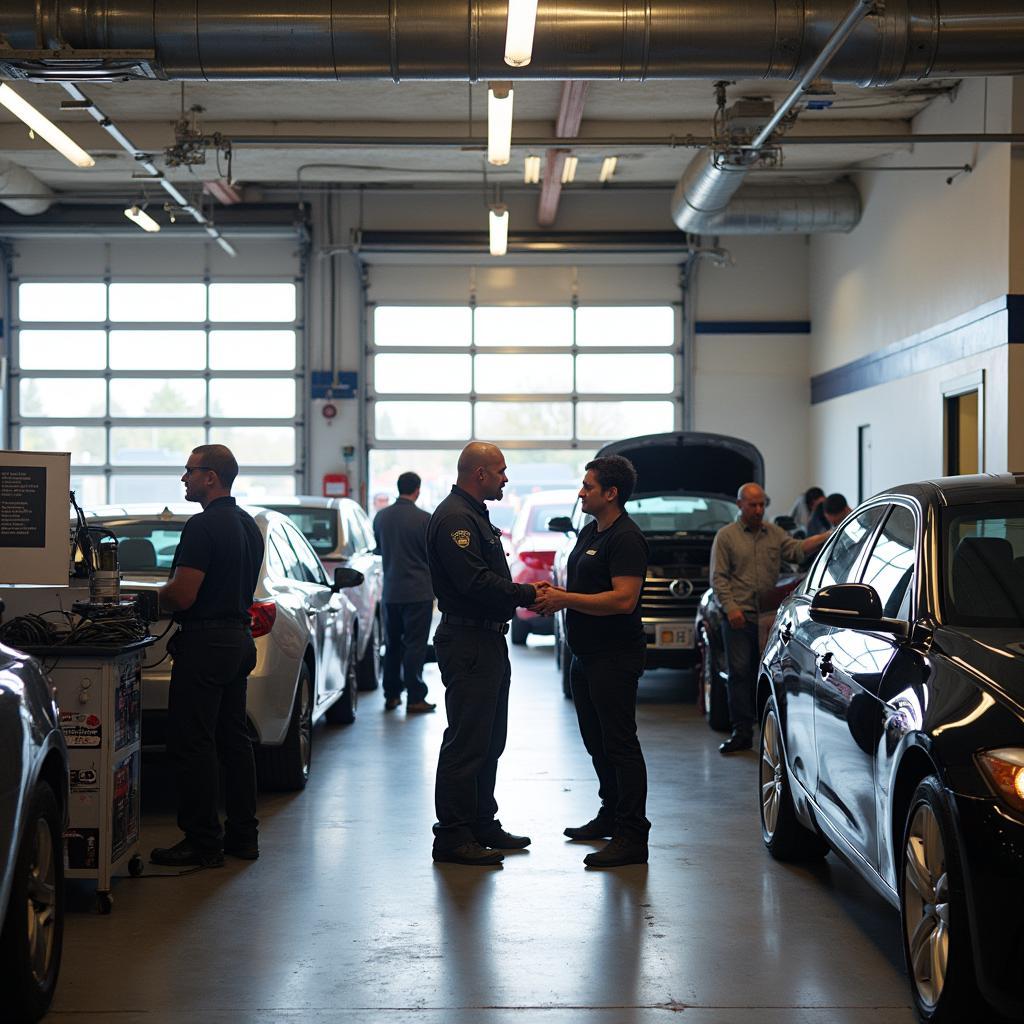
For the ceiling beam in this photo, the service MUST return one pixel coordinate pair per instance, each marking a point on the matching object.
(567, 126)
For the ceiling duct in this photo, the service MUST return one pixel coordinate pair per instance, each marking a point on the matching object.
(463, 40)
(15, 181)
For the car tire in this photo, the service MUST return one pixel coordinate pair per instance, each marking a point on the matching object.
(781, 831)
(33, 930)
(714, 698)
(343, 710)
(286, 768)
(520, 631)
(933, 911)
(369, 667)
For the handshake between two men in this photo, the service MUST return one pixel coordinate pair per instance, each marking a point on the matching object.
(550, 599)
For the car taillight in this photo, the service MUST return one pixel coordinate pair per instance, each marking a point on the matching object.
(537, 559)
(262, 615)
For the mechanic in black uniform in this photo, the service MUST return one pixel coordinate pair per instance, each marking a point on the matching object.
(606, 572)
(476, 597)
(213, 576)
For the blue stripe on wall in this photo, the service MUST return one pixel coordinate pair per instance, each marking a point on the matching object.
(942, 344)
(753, 327)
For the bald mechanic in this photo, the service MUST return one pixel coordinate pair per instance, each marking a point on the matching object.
(746, 560)
(476, 597)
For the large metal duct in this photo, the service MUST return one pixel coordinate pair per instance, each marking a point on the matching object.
(16, 181)
(464, 39)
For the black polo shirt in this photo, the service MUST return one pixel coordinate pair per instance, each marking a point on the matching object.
(468, 568)
(598, 557)
(224, 542)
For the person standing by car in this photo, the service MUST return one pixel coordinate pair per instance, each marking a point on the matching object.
(746, 559)
(213, 576)
(477, 597)
(401, 532)
(805, 507)
(606, 572)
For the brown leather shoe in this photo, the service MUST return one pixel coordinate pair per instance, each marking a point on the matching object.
(392, 702)
(421, 707)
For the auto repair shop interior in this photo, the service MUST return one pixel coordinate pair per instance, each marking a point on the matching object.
(346, 239)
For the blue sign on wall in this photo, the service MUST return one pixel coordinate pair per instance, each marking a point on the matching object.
(343, 386)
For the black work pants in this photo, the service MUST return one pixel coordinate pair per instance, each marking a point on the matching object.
(406, 629)
(476, 674)
(206, 727)
(742, 651)
(604, 692)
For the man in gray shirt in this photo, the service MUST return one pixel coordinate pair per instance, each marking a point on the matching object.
(401, 532)
(746, 559)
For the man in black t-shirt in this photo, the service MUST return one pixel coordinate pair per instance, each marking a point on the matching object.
(604, 630)
(213, 577)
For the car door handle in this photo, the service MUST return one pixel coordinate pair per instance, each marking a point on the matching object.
(312, 612)
(786, 632)
(826, 663)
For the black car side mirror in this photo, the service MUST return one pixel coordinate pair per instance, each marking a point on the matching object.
(561, 524)
(854, 606)
(345, 578)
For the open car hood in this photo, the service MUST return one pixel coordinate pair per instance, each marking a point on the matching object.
(690, 463)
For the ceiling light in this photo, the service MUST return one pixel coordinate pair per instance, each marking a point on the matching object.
(522, 19)
(141, 218)
(569, 169)
(498, 219)
(44, 127)
(531, 170)
(608, 168)
(499, 123)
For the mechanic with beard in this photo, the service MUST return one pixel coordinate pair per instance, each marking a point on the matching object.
(746, 559)
(213, 576)
(476, 597)
(605, 632)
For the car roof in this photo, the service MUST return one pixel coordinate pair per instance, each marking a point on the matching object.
(308, 501)
(963, 490)
(177, 512)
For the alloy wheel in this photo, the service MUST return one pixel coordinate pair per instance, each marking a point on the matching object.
(926, 904)
(771, 774)
(42, 902)
(305, 725)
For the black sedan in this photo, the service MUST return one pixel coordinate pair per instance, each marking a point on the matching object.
(33, 802)
(891, 698)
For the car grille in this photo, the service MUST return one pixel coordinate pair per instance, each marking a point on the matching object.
(658, 601)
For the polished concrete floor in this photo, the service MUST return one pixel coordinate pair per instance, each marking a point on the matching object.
(346, 918)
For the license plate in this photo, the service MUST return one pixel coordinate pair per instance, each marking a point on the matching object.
(672, 635)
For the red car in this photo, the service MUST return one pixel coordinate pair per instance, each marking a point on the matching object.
(533, 548)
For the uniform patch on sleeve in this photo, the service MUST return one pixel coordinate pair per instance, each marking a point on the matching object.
(462, 538)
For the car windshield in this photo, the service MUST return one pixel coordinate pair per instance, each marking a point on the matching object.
(984, 566)
(681, 514)
(540, 514)
(318, 525)
(145, 546)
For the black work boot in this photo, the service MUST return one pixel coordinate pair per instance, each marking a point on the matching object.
(596, 828)
(471, 854)
(736, 742)
(185, 854)
(499, 839)
(619, 852)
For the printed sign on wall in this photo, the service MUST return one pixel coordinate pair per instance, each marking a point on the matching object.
(34, 517)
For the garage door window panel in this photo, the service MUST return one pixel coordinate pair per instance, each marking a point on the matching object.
(146, 487)
(625, 326)
(524, 374)
(163, 302)
(141, 446)
(88, 445)
(421, 421)
(518, 326)
(604, 421)
(524, 421)
(252, 302)
(259, 446)
(440, 374)
(244, 398)
(252, 350)
(429, 326)
(63, 350)
(151, 397)
(633, 374)
(62, 397)
(62, 302)
(157, 350)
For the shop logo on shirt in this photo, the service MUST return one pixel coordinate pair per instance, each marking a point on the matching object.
(462, 538)
(592, 551)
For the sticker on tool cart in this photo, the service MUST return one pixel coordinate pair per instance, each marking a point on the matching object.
(85, 780)
(124, 811)
(80, 728)
(81, 848)
(127, 705)
(673, 636)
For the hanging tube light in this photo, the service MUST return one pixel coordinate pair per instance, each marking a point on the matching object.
(569, 169)
(141, 218)
(522, 20)
(498, 222)
(531, 170)
(44, 127)
(499, 123)
(608, 166)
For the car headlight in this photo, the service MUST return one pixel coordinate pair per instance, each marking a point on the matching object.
(1004, 770)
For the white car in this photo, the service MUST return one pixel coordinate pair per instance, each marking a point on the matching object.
(303, 625)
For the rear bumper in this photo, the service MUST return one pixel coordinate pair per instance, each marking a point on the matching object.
(992, 851)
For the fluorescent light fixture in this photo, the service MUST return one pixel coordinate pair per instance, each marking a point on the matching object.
(143, 219)
(498, 219)
(608, 168)
(569, 169)
(522, 19)
(531, 170)
(499, 123)
(44, 127)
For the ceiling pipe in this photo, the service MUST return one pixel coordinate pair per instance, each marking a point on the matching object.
(714, 176)
(22, 191)
(463, 40)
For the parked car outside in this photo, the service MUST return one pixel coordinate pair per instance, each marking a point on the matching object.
(891, 700)
(341, 533)
(686, 491)
(33, 816)
(533, 548)
(303, 626)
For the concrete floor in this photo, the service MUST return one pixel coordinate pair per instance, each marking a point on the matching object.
(346, 918)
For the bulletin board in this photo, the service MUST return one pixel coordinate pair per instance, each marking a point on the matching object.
(34, 517)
